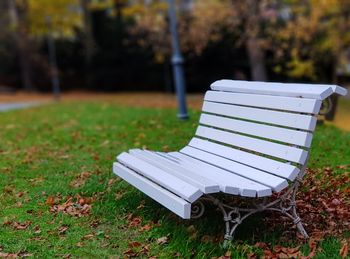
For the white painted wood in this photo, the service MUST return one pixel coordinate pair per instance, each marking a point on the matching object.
(229, 182)
(284, 170)
(339, 90)
(288, 153)
(293, 104)
(204, 184)
(166, 180)
(274, 182)
(314, 91)
(287, 119)
(296, 137)
(157, 193)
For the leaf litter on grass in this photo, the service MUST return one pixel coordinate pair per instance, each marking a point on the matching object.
(76, 206)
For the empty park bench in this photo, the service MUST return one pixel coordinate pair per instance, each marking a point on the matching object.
(253, 140)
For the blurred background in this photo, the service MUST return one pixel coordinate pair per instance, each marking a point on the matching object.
(124, 45)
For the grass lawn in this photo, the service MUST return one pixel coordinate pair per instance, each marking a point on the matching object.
(59, 198)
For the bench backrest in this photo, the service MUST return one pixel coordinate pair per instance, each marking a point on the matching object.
(263, 125)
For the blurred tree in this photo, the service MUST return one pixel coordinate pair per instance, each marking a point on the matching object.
(89, 42)
(311, 34)
(18, 17)
(202, 22)
(66, 17)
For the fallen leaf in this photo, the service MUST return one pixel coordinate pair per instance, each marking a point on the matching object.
(344, 250)
(80, 244)
(133, 244)
(130, 253)
(80, 179)
(88, 236)
(50, 200)
(146, 227)
(8, 255)
(62, 229)
(21, 226)
(135, 222)
(162, 240)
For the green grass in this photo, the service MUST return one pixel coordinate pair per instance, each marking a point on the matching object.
(44, 149)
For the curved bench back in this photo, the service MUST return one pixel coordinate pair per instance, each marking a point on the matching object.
(266, 128)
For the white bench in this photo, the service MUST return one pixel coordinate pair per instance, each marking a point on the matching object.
(253, 140)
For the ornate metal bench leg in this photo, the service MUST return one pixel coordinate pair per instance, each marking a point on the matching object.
(287, 206)
(298, 223)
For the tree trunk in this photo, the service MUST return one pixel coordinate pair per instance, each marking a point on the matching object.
(256, 60)
(22, 43)
(89, 42)
(255, 52)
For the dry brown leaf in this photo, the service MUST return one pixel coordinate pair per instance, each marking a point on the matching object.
(110, 182)
(344, 250)
(130, 253)
(144, 250)
(50, 200)
(146, 227)
(21, 226)
(135, 222)
(88, 236)
(62, 229)
(133, 244)
(80, 179)
(162, 240)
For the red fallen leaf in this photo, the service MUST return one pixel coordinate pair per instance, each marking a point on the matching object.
(145, 250)
(261, 245)
(8, 255)
(227, 255)
(268, 254)
(133, 244)
(336, 202)
(135, 222)
(130, 253)
(21, 226)
(86, 200)
(252, 256)
(50, 200)
(278, 249)
(146, 227)
(344, 250)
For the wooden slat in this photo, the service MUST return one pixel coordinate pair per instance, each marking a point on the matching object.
(339, 90)
(274, 182)
(164, 179)
(314, 91)
(293, 104)
(288, 153)
(204, 184)
(296, 137)
(292, 120)
(229, 182)
(157, 193)
(284, 170)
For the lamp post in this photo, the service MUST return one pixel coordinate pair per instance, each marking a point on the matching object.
(52, 59)
(177, 62)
